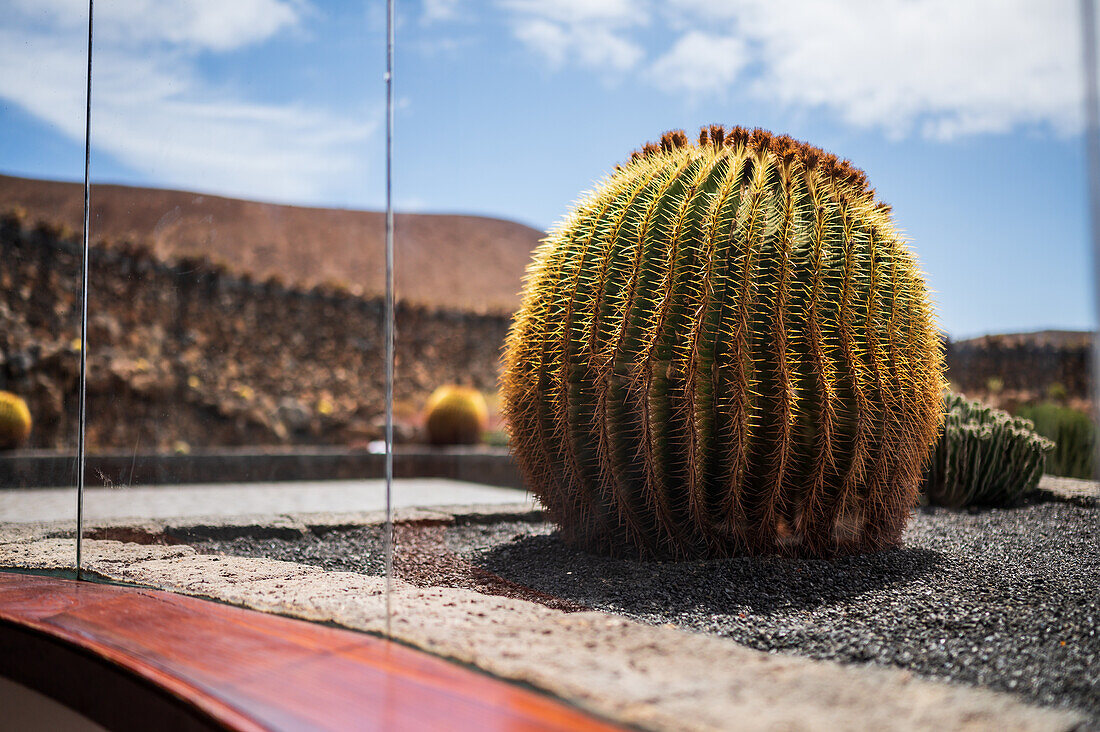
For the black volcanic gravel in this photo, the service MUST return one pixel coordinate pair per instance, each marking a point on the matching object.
(359, 550)
(1008, 599)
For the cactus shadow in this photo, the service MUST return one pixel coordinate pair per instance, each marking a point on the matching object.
(760, 585)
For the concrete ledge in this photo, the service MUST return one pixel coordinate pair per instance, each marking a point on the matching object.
(47, 468)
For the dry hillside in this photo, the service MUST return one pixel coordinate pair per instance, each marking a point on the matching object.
(465, 262)
(1054, 339)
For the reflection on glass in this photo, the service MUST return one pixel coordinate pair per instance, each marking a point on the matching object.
(975, 144)
(40, 342)
(233, 344)
(40, 263)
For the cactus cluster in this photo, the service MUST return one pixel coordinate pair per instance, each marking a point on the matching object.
(984, 457)
(15, 421)
(726, 348)
(455, 415)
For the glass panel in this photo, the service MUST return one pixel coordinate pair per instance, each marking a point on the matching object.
(43, 53)
(235, 316)
(967, 124)
(729, 363)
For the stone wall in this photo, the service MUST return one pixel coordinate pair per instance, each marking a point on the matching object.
(185, 353)
(1020, 368)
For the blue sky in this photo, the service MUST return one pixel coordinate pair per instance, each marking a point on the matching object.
(965, 115)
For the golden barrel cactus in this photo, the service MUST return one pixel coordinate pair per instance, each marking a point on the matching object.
(455, 415)
(726, 348)
(15, 421)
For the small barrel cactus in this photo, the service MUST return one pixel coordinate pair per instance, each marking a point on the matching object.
(455, 415)
(984, 457)
(726, 348)
(15, 421)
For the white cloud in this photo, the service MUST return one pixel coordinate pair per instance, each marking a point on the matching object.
(217, 25)
(939, 68)
(435, 11)
(581, 12)
(700, 63)
(600, 48)
(154, 111)
(548, 39)
(588, 33)
(942, 67)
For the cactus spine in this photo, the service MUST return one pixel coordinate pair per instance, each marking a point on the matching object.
(15, 421)
(725, 349)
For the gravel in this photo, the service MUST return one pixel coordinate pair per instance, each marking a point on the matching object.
(359, 550)
(1007, 599)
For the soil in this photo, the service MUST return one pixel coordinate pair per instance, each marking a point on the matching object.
(1004, 598)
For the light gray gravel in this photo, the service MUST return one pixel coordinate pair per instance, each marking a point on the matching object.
(1006, 599)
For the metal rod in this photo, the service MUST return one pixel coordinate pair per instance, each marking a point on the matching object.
(82, 417)
(389, 308)
(1092, 148)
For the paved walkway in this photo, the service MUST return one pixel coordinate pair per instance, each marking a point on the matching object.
(238, 499)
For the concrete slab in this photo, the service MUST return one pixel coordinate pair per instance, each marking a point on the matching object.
(233, 499)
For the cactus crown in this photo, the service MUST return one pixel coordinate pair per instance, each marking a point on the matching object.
(725, 348)
(761, 141)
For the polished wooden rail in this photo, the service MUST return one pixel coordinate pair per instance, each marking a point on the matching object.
(143, 659)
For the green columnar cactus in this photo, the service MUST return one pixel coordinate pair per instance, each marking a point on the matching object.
(456, 415)
(15, 421)
(725, 348)
(984, 457)
(1073, 434)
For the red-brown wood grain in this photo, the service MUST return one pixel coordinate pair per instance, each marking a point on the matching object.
(246, 670)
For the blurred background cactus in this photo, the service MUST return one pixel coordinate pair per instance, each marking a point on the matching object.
(1072, 432)
(726, 348)
(455, 415)
(15, 421)
(984, 457)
